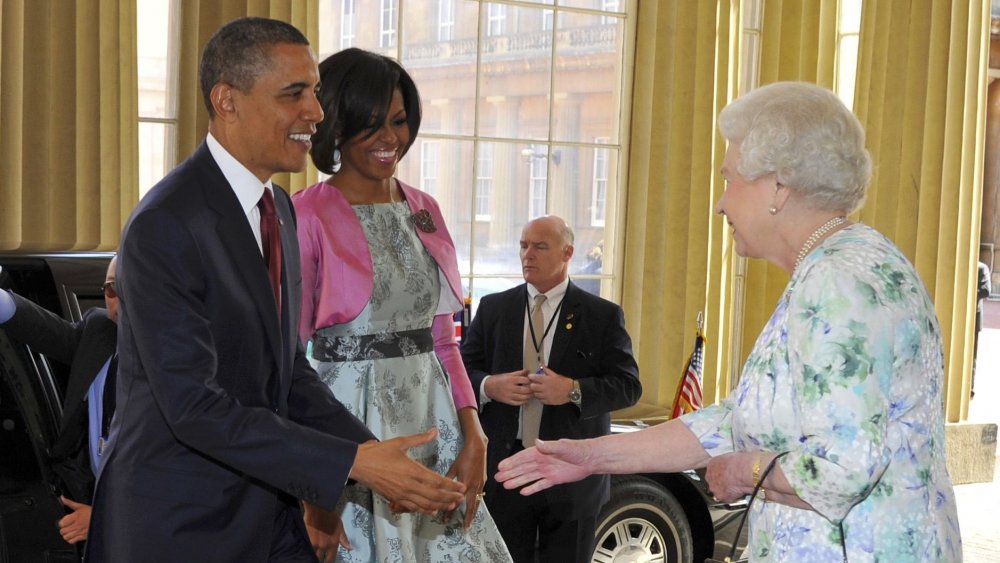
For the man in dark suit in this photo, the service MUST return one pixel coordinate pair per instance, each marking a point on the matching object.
(88, 348)
(222, 427)
(549, 360)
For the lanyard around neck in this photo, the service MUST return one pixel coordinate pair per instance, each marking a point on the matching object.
(531, 326)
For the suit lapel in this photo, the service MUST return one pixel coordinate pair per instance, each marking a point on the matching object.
(235, 234)
(565, 325)
(513, 318)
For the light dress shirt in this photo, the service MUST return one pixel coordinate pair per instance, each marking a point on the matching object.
(95, 416)
(7, 306)
(247, 187)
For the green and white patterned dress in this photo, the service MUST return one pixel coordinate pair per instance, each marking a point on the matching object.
(397, 387)
(847, 376)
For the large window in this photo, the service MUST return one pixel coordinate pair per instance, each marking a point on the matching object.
(521, 113)
(524, 102)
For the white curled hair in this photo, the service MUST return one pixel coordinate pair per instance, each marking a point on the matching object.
(805, 136)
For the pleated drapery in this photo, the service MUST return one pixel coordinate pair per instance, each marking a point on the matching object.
(68, 123)
(199, 20)
(685, 73)
(921, 96)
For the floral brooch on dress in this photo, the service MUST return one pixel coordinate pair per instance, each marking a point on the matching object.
(423, 220)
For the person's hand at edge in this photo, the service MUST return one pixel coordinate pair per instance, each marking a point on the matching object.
(546, 464)
(470, 465)
(326, 532)
(385, 468)
(74, 526)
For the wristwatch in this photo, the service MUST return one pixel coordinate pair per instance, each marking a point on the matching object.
(575, 396)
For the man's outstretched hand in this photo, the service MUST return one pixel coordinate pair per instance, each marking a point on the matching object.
(385, 468)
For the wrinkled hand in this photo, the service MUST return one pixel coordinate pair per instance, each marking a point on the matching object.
(73, 527)
(470, 469)
(509, 388)
(550, 388)
(326, 532)
(730, 476)
(546, 464)
(385, 468)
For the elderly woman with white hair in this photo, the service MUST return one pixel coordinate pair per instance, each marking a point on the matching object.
(841, 395)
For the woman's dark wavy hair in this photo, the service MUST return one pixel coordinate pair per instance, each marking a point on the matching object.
(356, 90)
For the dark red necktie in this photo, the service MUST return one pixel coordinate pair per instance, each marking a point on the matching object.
(270, 239)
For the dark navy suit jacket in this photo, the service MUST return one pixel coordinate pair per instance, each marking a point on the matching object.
(220, 422)
(85, 347)
(590, 344)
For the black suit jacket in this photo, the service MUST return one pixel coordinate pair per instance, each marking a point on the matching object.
(590, 344)
(220, 420)
(85, 347)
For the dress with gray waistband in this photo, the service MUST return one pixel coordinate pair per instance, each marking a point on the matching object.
(383, 368)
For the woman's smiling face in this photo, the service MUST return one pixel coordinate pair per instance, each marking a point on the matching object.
(375, 156)
(745, 206)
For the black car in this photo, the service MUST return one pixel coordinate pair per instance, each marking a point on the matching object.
(652, 518)
(664, 518)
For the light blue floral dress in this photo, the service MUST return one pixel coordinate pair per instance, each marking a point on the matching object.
(397, 395)
(847, 377)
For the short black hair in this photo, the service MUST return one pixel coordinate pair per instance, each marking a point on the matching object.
(240, 51)
(357, 88)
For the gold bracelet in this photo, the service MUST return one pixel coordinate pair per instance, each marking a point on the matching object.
(756, 469)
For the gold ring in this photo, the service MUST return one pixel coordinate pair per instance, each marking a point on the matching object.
(480, 496)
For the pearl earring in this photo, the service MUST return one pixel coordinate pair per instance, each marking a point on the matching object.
(336, 156)
(772, 210)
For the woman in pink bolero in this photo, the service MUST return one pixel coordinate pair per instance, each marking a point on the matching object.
(380, 285)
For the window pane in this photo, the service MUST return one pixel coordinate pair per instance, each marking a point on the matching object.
(502, 195)
(453, 187)
(847, 67)
(587, 101)
(753, 15)
(444, 71)
(516, 76)
(156, 142)
(751, 61)
(850, 16)
(156, 64)
(481, 287)
(575, 190)
(603, 5)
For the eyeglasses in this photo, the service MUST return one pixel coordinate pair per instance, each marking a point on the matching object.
(109, 290)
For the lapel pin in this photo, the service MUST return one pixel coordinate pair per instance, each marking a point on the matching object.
(569, 326)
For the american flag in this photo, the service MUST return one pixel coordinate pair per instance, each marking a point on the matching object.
(689, 396)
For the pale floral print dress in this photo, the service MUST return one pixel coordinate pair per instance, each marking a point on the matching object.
(397, 394)
(847, 377)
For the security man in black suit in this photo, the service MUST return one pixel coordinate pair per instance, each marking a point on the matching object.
(88, 348)
(551, 361)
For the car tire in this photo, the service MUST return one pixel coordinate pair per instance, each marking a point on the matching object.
(642, 521)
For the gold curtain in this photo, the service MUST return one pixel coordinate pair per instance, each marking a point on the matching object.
(798, 42)
(199, 20)
(921, 94)
(685, 59)
(68, 123)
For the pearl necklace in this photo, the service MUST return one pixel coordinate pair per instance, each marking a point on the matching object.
(817, 234)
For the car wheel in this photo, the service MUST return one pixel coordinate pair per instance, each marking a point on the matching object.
(642, 523)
